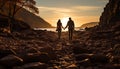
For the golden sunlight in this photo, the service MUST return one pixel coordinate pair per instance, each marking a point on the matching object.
(64, 21)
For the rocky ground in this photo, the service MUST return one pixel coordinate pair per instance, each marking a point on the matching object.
(31, 49)
(95, 48)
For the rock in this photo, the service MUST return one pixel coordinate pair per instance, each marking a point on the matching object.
(116, 49)
(109, 66)
(82, 56)
(1, 67)
(110, 15)
(116, 28)
(73, 66)
(115, 59)
(11, 60)
(99, 58)
(79, 50)
(17, 67)
(117, 33)
(85, 62)
(49, 51)
(112, 66)
(36, 57)
(55, 67)
(32, 50)
(75, 41)
(6, 52)
(116, 66)
(35, 65)
(117, 38)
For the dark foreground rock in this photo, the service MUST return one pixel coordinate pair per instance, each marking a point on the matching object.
(98, 58)
(35, 57)
(36, 65)
(11, 60)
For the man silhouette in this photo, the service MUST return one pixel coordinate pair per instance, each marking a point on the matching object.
(71, 27)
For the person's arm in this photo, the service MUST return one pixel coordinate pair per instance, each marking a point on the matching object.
(66, 26)
(73, 26)
(62, 26)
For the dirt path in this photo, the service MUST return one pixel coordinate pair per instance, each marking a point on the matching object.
(64, 51)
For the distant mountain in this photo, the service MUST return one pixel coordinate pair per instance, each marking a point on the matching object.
(32, 19)
(91, 24)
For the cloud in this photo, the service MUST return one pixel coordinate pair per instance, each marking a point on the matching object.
(55, 9)
(67, 10)
(72, 10)
(81, 11)
(103, 0)
(84, 8)
(81, 14)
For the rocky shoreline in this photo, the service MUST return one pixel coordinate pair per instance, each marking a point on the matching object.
(32, 49)
(95, 48)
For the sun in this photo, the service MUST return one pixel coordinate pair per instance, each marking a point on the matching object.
(64, 21)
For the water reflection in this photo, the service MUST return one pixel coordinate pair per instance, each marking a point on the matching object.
(54, 29)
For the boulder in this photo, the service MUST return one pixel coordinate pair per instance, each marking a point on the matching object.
(109, 66)
(116, 66)
(36, 57)
(50, 51)
(116, 49)
(1, 67)
(81, 57)
(112, 66)
(115, 59)
(5, 52)
(35, 65)
(11, 60)
(79, 50)
(99, 58)
(85, 62)
(110, 15)
(32, 50)
(72, 66)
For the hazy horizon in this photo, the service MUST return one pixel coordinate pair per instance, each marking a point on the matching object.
(81, 11)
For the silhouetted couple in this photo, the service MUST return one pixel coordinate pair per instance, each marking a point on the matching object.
(70, 25)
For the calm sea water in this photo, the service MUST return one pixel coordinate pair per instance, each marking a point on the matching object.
(54, 29)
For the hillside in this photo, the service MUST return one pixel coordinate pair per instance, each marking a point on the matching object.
(28, 17)
(32, 19)
(91, 24)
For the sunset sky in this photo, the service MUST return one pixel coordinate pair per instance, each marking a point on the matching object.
(81, 11)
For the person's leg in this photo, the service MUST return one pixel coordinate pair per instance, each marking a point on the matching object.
(59, 34)
(69, 34)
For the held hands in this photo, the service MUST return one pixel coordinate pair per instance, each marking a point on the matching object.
(64, 28)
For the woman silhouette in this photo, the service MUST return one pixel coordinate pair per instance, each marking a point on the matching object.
(59, 28)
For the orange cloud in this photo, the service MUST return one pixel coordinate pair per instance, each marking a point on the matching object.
(84, 8)
(52, 14)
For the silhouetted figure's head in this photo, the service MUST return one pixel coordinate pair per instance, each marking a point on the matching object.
(59, 20)
(69, 18)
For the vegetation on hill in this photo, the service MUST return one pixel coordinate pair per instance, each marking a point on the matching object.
(13, 6)
(20, 10)
(32, 19)
(88, 25)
